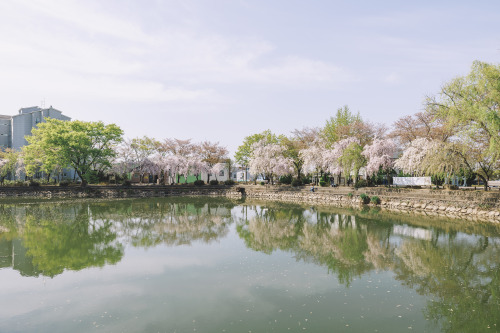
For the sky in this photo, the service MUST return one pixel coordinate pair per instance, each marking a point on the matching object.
(222, 70)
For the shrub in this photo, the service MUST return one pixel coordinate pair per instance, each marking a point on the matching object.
(350, 195)
(214, 182)
(375, 200)
(322, 183)
(199, 182)
(33, 183)
(286, 179)
(262, 183)
(296, 182)
(126, 183)
(64, 183)
(229, 182)
(365, 198)
(361, 183)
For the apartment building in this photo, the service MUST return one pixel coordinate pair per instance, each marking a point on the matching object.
(13, 129)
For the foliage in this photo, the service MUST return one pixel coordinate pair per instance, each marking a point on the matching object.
(199, 182)
(365, 199)
(470, 106)
(245, 151)
(360, 183)
(268, 159)
(286, 179)
(352, 158)
(379, 155)
(229, 182)
(9, 163)
(87, 147)
(322, 183)
(437, 179)
(421, 125)
(375, 200)
(214, 182)
(350, 195)
(64, 183)
(33, 183)
(341, 125)
(296, 182)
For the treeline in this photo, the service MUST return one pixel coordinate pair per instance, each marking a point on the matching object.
(457, 134)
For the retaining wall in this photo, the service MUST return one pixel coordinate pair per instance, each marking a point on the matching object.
(468, 204)
(452, 203)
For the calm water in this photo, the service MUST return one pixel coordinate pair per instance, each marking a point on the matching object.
(212, 265)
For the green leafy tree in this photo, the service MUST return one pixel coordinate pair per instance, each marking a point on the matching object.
(244, 152)
(346, 124)
(293, 147)
(86, 147)
(139, 150)
(352, 159)
(8, 161)
(470, 106)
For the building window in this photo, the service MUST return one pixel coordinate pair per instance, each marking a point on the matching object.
(221, 173)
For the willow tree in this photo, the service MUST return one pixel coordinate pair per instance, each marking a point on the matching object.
(471, 106)
(87, 147)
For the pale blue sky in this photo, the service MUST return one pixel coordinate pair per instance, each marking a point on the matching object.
(221, 70)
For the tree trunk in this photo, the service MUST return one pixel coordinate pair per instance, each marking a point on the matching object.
(84, 181)
(485, 182)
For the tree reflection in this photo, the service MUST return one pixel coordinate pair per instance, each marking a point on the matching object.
(52, 238)
(457, 268)
(46, 239)
(463, 276)
(454, 264)
(147, 223)
(336, 241)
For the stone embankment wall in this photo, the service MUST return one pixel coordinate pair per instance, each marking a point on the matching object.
(117, 191)
(467, 204)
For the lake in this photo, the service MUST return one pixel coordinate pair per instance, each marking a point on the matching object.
(219, 265)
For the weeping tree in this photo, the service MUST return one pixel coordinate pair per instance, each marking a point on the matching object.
(470, 105)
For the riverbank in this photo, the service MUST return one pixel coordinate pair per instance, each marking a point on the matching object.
(462, 204)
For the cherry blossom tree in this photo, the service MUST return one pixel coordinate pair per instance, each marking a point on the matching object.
(337, 161)
(197, 166)
(217, 168)
(212, 153)
(379, 155)
(412, 159)
(268, 159)
(313, 158)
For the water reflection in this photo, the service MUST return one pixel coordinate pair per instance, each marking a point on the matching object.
(455, 265)
(45, 239)
(459, 270)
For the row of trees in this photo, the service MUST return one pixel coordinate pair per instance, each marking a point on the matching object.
(170, 159)
(458, 133)
(95, 150)
(344, 145)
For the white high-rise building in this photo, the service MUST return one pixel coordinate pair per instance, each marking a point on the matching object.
(13, 129)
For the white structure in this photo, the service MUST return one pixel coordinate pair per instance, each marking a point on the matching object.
(412, 181)
(13, 129)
